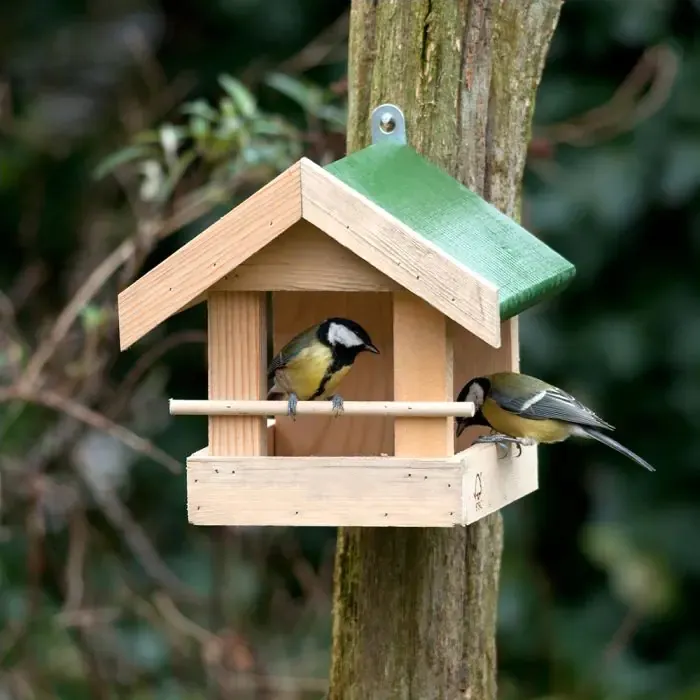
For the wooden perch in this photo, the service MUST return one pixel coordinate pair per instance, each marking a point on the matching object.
(404, 409)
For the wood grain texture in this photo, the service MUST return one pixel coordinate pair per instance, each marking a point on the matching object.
(195, 267)
(370, 378)
(393, 248)
(415, 609)
(360, 491)
(379, 491)
(422, 372)
(237, 349)
(306, 259)
(459, 222)
(490, 482)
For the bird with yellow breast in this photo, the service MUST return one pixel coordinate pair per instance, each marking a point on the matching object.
(313, 363)
(524, 410)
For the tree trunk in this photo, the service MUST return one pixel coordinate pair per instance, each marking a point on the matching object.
(415, 609)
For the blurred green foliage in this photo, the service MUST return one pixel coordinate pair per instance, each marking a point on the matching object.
(137, 123)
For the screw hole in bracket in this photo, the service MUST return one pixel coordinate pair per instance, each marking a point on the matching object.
(388, 125)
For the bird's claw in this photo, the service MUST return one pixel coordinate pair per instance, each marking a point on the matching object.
(337, 402)
(503, 442)
(292, 406)
(502, 449)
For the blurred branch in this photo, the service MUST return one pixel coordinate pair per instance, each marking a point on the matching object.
(163, 95)
(146, 361)
(623, 635)
(6, 111)
(319, 49)
(92, 285)
(137, 541)
(184, 625)
(214, 648)
(310, 582)
(77, 547)
(644, 91)
(151, 70)
(96, 420)
(26, 284)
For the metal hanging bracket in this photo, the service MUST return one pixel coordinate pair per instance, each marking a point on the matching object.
(388, 125)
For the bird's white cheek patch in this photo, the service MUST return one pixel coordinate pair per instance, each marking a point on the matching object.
(341, 335)
(476, 396)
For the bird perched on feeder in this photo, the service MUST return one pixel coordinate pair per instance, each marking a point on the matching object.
(312, 364)
(523, 410)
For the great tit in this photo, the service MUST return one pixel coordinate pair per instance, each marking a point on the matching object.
(312, 364)
(523, 410)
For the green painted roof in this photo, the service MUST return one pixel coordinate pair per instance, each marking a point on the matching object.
(458, 221)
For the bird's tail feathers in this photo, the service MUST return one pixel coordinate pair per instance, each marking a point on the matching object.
(585, 431)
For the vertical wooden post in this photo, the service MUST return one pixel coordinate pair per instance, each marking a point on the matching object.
(415, 609)
(422, 372)
(237, 351)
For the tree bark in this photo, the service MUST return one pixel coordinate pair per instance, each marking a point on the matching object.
(415, 609)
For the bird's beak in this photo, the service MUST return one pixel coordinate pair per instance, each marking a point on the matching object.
(460, 428)
(371, 348)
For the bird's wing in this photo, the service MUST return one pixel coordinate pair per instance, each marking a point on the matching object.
(290, 351)
(550, 403)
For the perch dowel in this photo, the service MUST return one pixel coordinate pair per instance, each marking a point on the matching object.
(417, 409)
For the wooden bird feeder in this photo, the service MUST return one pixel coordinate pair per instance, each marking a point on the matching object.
(428, 268)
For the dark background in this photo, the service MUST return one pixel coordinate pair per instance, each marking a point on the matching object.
(106, 590)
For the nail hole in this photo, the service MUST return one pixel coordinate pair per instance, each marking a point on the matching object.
(449, 486)
(196, 481)
(233, 471)
(386, 515)
(199, 507)
(409, 473)
(216, 470)
(296, 512)
(425, 478)
(387, 123)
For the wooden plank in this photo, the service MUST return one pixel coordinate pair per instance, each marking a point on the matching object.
(391, 247)
(407, 409)
(237, 352)
(491, 482)
(475, 358)
(370, 378)
(324, 491)
(356, 491)
(195, 267)
(422, 372)
(306, 259)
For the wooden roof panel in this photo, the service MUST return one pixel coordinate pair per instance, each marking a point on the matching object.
(393, 248)
(458, 222)
(396, 211)
(194, 268)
